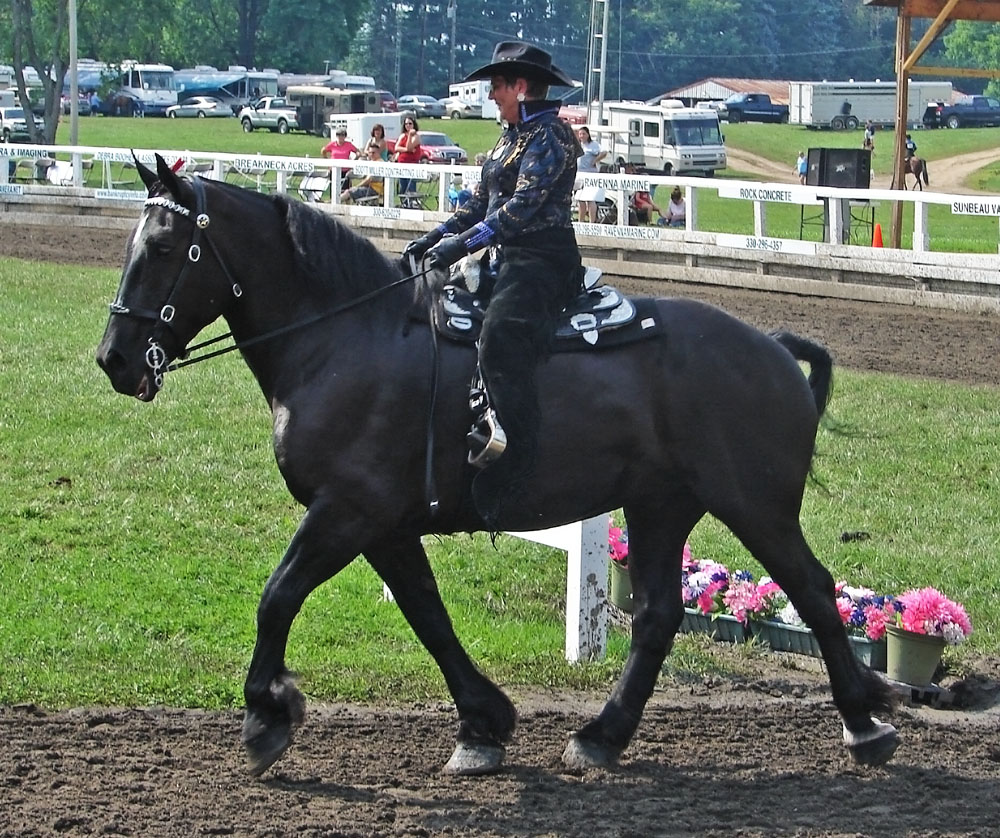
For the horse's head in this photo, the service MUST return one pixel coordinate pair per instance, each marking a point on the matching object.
(167, 293)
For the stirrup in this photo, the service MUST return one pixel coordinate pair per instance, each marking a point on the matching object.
(487, 440)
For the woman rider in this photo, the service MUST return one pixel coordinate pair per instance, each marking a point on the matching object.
(522, 205)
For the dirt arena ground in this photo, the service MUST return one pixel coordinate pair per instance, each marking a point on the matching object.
(758, 756)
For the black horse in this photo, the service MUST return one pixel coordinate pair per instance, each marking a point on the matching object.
(710, 416)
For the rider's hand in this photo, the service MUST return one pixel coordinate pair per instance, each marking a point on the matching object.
(448, 252)
(417, 248)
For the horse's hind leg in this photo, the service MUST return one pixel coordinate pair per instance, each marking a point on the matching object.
(656, 543)
(487, 717)
(776, 540)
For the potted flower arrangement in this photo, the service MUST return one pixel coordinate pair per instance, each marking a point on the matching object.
(866, 614)
(926, 620)
(704, 585)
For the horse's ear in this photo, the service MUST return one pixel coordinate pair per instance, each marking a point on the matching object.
(167, 177)
(148, 177)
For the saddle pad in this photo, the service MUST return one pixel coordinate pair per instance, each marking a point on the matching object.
(597, 319)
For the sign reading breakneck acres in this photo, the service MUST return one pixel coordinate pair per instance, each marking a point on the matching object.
(975, 208)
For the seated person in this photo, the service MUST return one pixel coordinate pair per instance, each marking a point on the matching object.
(341, 148)
(676, 210)
(458, 193)
(370, 186)
(641, 207)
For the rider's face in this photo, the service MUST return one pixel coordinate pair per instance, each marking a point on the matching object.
(505, 95)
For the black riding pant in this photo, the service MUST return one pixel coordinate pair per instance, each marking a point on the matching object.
(539, 275)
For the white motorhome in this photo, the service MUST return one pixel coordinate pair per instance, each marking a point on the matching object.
(665, 138)
(475, 93)
(849, 104)
(359, 126)
(152, 84)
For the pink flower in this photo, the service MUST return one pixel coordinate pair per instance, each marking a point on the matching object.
(928, 611)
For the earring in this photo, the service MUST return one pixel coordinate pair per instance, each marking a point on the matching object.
(520, 97)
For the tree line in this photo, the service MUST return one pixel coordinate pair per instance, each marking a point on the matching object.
(420, 47)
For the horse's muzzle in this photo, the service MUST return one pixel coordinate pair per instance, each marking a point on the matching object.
(136, 381)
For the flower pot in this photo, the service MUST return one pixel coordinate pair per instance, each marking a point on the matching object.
(912, 658)
(620, 590)
(695, 622)
(868, 651)
(784, 637)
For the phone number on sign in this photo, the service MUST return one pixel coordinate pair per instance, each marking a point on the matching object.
(754, 243)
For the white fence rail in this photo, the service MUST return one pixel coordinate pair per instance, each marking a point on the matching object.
(109, 174)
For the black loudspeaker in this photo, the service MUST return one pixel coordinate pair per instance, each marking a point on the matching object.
(847, 168)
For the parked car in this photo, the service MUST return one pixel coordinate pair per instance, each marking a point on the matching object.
(82, 104)
(271, 112)
(440, 148)
(573, 114)
(972, 111)
(420, 106)
(457, 108)
(14, 125)
(389, 104)
(199, 107)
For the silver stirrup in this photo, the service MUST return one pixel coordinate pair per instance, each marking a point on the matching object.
(488, 439)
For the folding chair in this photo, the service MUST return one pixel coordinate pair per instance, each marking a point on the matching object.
(314, 185)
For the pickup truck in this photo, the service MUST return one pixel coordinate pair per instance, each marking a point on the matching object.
(752, 107)
(14, 125)
(965, 113)
(271, 112)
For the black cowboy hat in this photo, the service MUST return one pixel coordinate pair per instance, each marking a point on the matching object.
(522, 61)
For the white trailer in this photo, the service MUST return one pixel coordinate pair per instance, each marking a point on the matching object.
(665, 138)
(475, 93)
(849, 104)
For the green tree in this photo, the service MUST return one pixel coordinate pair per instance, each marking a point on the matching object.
(39, 40)
(976, 45)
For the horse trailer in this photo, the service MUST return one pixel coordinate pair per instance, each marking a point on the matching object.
(849, 104)
(666, 138)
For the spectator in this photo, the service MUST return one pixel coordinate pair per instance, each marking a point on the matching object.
(378, 137)
(370, 186)
(458, 193)
(95, 103)
(802, 167)
(676, 209)
(588, 197)
(407, 150)
(341, 148)
(869, 141)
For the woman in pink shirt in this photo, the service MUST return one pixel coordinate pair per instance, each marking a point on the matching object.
(341, 148)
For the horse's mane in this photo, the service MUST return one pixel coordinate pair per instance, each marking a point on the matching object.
(329, 255)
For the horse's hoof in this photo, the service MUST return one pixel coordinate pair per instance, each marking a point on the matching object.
(469, 759)
(874, 747)
(264, 745)
(582, 753)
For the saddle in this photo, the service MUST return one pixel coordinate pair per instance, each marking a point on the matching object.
(599, 317)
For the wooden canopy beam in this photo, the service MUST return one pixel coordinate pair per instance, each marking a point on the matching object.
(984, 11)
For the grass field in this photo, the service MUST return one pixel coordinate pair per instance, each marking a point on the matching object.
(780, 143)
(137, 538)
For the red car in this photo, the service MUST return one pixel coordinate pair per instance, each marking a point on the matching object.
(388, 101)
(440, 148)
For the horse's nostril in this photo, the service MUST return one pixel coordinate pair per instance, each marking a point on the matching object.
(110, 361)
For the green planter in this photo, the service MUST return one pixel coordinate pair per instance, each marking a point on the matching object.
(782, 637)
(722, 627)
(868, 651)
(912, 658)
(620, 589)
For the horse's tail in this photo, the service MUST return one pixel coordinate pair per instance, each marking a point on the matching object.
(820, 365)
(927, 181)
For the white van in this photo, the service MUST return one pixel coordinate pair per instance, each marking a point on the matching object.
(359, 126)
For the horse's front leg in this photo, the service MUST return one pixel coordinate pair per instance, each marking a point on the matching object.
(486, 716)
(274, 704)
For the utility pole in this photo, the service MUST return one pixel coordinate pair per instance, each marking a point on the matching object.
(597, 60)
(453, 16)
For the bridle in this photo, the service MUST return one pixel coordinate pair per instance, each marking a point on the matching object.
(156, 355)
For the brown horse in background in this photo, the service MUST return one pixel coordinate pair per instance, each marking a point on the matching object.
(917, 167)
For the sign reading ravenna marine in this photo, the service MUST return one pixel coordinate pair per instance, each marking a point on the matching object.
(975, 207)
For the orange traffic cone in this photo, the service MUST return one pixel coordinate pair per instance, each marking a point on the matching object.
(877, 238)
